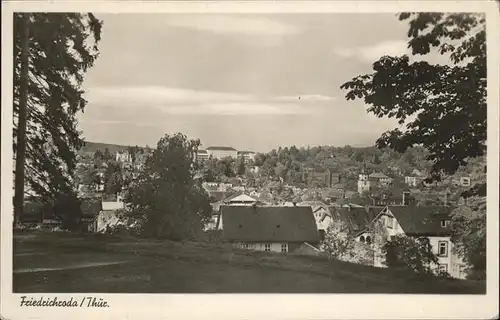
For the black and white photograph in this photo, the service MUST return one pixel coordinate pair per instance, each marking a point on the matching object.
(248, 153)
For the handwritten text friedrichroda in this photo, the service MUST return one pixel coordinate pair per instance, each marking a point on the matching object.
(85, 302)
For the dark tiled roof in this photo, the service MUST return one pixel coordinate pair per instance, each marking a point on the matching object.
(272, 224)
(245, 152)
(357, 219)
(424, 221)
(222, 148)
(202, 152)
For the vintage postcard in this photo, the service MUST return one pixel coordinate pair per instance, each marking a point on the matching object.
(250, 160)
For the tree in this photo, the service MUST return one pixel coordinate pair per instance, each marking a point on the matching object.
(67, 208)
(241, 167)
(337, 244)
(410, 253)
(52, 52)
(468, 225)
(166, 199)
(443, 106)
(107, 155)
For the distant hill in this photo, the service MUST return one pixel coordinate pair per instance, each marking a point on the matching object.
(94, 146)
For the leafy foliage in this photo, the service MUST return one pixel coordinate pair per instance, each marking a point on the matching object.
(165, 197)
(410, 253)
(62, 47)
(443, 106)
(469, 234)
(337, 244)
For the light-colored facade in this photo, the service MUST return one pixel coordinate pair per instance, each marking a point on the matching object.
(442, 246)
(202, 155)
(411, 181)
(222, 152)
(246, 155)
(241, 200)
(363, 183)
(108, 215)
(282, 247)
(123, 156)
(465, 181)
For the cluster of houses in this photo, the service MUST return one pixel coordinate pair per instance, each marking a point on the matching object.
(299, 227)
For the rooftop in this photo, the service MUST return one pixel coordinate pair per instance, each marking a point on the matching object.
(269, 224)
(422, 221)
(222, 148)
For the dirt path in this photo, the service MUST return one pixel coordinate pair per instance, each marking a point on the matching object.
(75, 266)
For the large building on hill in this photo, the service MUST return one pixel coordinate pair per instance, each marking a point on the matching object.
(222, 152)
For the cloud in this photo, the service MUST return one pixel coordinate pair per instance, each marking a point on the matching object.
(374, 52)
(177, 101)
(305, 98)
(231, 24)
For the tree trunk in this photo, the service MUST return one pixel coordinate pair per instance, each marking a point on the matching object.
(21, 126)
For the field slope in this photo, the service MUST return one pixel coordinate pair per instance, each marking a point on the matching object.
(59, 262)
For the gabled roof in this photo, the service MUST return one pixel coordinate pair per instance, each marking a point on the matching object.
(240, 196)
(357, 219)
(422, 221)
(269, 224)
(202, 152)
(222, 148)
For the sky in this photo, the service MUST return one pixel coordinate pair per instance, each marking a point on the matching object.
(252, 82)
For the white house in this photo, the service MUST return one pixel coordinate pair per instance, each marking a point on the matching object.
(269, 228)
(222, 152)
(123, 156)
(108, 216)
(430, 222)
(322, 214)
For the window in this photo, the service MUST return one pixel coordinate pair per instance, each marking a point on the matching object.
(443, 268)
(389, 222)
(244, 245)
(267, 247)
(362, 239)
(284, 248)
(443, 248)
(445, 223)
(368, 240)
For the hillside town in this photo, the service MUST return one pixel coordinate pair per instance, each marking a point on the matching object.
(258, 211)
(260, 153)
